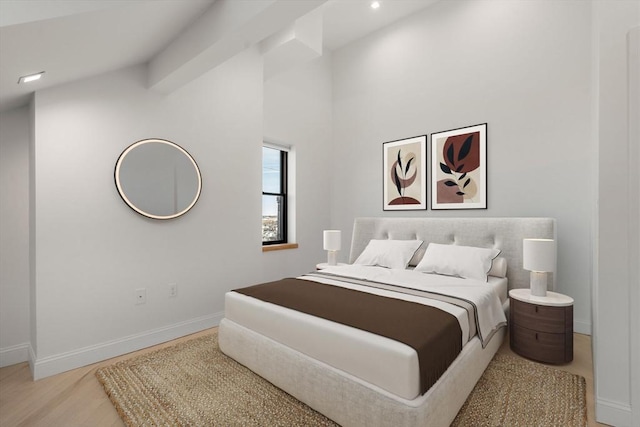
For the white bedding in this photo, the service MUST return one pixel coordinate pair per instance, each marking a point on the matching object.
(394, 367)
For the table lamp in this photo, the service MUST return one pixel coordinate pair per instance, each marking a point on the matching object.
(331, 243)
(539, 257)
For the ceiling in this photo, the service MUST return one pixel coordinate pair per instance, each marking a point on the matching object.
(75, 39)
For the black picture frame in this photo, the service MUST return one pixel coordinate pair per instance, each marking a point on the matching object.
(459, 168)
(404, 172)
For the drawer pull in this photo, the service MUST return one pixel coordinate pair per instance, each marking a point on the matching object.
(536, 308)
(536, 336)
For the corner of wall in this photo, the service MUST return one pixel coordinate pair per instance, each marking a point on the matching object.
(33, 335)
(32, 360)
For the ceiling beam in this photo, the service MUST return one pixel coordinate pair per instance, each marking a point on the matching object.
(225, 29)
(296, 44)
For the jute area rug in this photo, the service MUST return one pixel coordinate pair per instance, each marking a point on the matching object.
(195, 384)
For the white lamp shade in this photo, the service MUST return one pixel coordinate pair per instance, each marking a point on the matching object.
(539, 254)
(332, 240)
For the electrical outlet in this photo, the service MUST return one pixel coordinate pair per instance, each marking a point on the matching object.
(173, 290)
(141, 296)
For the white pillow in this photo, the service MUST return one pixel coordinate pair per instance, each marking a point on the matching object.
(462, 261)
(388, 253)
(498, 267)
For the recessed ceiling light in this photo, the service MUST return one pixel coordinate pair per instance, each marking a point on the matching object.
(31, 77)
(375, 5)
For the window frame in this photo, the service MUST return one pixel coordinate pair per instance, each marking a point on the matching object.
(284, 206)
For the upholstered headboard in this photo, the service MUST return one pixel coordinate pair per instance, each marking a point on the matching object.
(505, 234)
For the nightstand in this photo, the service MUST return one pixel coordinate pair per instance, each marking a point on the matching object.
(541, 328)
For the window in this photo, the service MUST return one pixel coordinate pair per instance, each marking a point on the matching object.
(274, 195)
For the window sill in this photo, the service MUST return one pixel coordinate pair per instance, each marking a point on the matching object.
(283, 246)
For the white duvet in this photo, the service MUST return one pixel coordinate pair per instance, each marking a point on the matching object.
(380, 361)
(490, 315)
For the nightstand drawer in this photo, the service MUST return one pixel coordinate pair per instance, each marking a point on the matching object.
(539, 317)
(542, 346)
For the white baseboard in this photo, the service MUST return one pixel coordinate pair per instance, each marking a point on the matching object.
(582, 327)
(56, 364)
(613, 413)
(15, 354)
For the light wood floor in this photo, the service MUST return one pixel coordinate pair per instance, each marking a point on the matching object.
(75, 398)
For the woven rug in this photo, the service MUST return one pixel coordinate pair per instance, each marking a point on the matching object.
(194, 384)
(516, 392)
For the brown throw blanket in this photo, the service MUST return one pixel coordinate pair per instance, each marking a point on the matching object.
(434, 334)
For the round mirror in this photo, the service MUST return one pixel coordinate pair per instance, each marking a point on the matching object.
(158, 179)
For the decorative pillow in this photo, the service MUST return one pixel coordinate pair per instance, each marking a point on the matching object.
(498, 267)
(462, 261)
(388, 253)
(417, 256)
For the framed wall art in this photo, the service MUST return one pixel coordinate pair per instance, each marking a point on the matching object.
(404, 174)
(459, 168)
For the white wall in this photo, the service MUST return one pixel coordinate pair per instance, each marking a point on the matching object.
(297, 112)
(522, 67)
(616, 302)
(89, 251)
(92, 251)
(14, 229)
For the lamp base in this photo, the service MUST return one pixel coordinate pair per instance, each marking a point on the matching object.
(539, 283)
(332, 257)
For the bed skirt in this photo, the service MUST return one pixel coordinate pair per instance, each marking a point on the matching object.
(348, 400)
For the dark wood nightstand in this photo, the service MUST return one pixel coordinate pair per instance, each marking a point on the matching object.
(541, 328)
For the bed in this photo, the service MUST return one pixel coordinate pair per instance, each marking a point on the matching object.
(355, 377)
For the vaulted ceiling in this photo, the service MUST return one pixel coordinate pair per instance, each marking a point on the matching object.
(178, 40)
